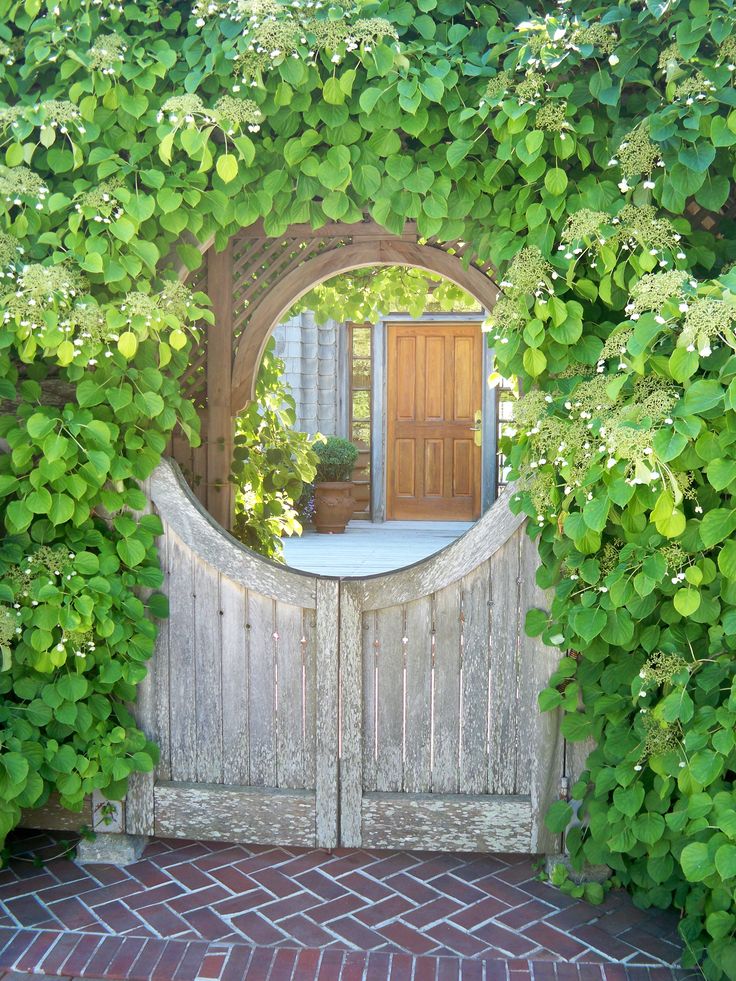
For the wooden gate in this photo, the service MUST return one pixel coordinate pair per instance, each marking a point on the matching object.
(394, 711)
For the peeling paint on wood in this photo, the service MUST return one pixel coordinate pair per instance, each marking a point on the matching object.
(458, 823)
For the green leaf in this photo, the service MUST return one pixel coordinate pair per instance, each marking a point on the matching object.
(432, 88)
(696, 862)
(131, 551)
(62, 509)
(534, 362)
(72, 687)
(717, 525)
(701, 396)
(16, 767)
(457, 152)
(227, 167)
(332, 92)
(686, 601)
(588, 623)
(128, 344)
(558, 816)
(628, 800)
(555, 181)
(649, 828)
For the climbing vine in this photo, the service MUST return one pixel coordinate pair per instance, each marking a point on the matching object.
(577, 146)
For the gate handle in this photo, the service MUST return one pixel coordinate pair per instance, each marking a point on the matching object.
(477, 427)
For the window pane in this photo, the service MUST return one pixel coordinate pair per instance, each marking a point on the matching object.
(361, 405)
(361, 342)
(361, 434)
(361, 373)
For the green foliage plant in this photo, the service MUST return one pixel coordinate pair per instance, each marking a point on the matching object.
(335, 459)
(272, 463)
(572, 146)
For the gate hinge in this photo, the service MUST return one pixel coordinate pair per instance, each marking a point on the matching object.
(564, 788)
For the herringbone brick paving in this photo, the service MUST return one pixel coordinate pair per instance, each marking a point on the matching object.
(212, 911)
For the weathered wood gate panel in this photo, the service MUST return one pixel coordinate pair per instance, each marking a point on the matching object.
(394, 711)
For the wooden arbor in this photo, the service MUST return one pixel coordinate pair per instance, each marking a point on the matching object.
(252, 284)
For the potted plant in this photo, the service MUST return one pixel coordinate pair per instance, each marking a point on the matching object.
(333, 492)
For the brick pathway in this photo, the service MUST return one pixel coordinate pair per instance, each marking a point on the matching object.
(194, 910)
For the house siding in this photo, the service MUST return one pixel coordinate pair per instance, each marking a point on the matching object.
(310, 352)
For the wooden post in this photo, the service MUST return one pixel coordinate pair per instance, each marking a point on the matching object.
(219, 377)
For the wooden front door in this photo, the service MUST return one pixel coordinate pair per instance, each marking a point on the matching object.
(434, 390)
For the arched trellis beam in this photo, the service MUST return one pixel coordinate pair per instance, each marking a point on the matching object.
(383, 252)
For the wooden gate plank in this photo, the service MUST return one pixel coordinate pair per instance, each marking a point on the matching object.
(418, 757)
(474, 715)
(262, 690)
(390, 698)
(446, 703)
(208, 671)
(309, 659)
(328, 606)
(182, 663)
(370, 670)
(504, 585)
(159, 665)
(351, 701)
(290, 693)
(235, 680)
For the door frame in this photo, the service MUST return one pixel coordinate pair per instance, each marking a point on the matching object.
(379, 390)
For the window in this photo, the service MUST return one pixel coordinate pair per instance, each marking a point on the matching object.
(359, 423)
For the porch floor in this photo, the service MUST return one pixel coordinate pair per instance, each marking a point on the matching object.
(368, 548)
(205, 910)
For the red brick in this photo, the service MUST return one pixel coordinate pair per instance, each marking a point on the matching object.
(52, 962)
(341, 864)
(365, 886)
(169, 961)
(120, 966)
(448, 969)
(280, 908)
(18, 943)
(81, 955)
(198, 899)
(387, 909)
(283, 964)
(241, 904)
(256, 929)
(379, 964)
(410, 887)
(569, 972)
(102, 956)
(498, 971)
(438, 909)
(258, 967)
(406, 937)
(28, 911)
(401, 967)
(522, 915)
(191, 962)
(601, 941)
(163, 921)
(560, 943)
(212, 966)
(207, 924)
(521, 872)
(353, 967)
(355, 933)
(306, 931)
(117, 916)
(478, 913)
(149, 874)
(272, 880)
(463, 892)
(471, 970)
(330, 967)
(425, 969)
(36, 951)
(149, 897)
(189, 876)
(458, 941)
(72, 913)
(320, 884)
(502, 890)
(543, 972)
(399, 862)
(437, 865)
(233, 879)
(323, 912)
(503, 939)
(148, 958)
(307, 964)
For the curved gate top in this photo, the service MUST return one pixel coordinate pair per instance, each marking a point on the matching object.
(396, 711)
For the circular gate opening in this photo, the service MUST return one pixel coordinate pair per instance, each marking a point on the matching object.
(372, 440)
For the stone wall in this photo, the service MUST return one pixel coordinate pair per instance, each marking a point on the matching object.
(310, 353)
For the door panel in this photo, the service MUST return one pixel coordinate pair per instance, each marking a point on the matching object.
(434, 389)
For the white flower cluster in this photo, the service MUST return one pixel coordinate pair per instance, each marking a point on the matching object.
(20, 186)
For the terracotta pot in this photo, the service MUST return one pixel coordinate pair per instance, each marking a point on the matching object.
(333, 505)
